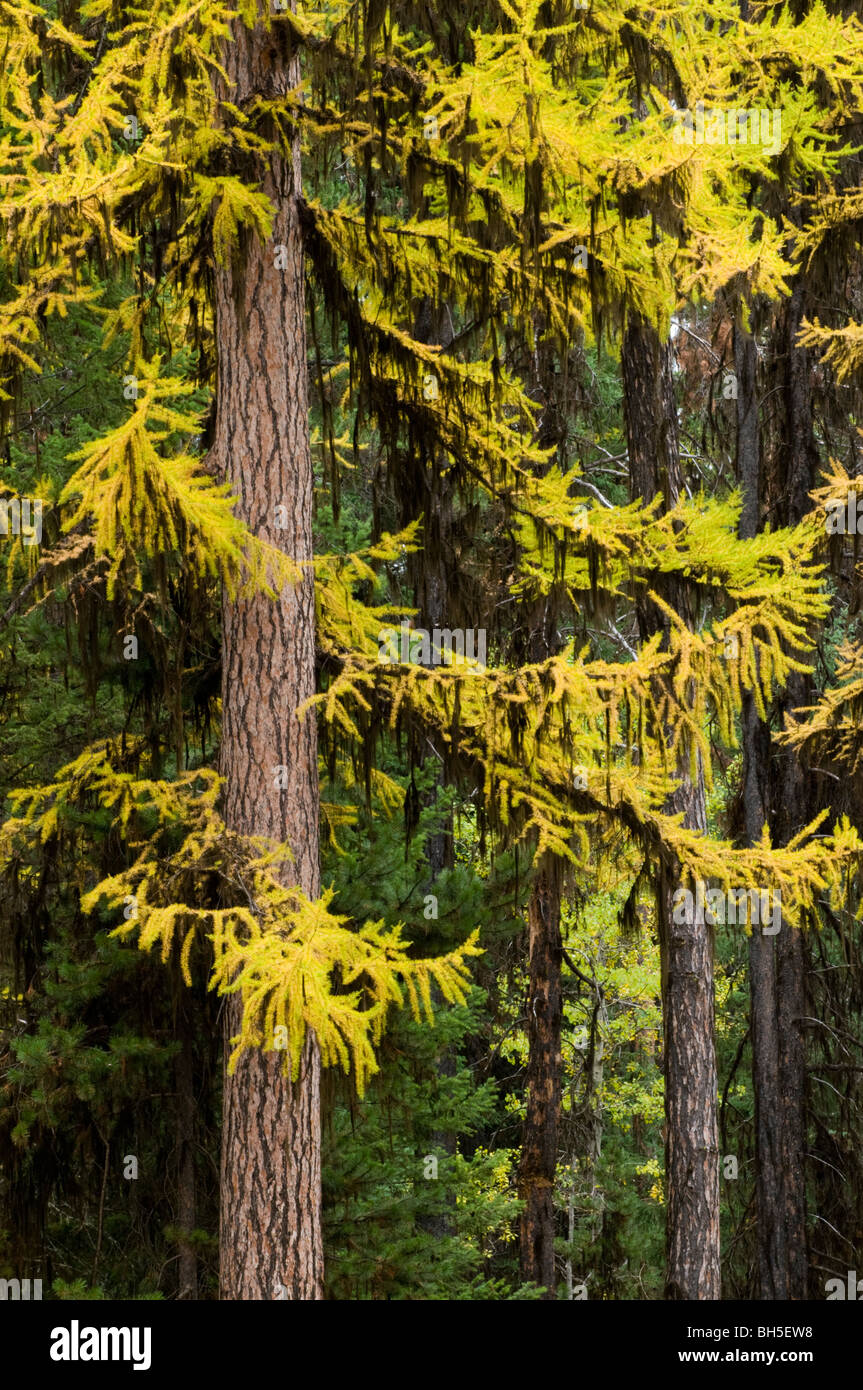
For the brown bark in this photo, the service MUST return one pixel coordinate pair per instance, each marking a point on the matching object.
(271, 1180)
(538, 1162)
(431, 600)
(535, 639)
(776, 793)
(425, 494)
(186, 1191)
(586, 1121)
(691, 1133)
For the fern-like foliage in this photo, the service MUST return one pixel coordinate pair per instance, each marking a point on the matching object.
(143, 503)
(295, 963)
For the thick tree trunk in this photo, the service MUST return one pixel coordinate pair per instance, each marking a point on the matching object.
(775, 793)
(691, 1133)
(539, 1141)
(271, 1180)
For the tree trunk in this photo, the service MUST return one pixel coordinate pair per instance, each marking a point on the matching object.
(431, 600)
(271, 1179)
(186, 1195)
(691, 1133)
(539, 1141)
(775, 793)
(586, 1119)
(535, 639)
(794, 466)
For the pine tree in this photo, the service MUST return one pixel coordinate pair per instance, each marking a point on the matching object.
(549, 213)
(692, 1141)
(271, 1167)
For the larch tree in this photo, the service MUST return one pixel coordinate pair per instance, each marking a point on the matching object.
(778, 463)
(491, 112)
(189, 120)
(548, 204)
(271, 1164)
(686, 947)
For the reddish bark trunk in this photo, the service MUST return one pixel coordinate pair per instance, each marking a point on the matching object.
(691, 1130)
(776, 793)
(539, 1142)
(271, 1180)
(186, 1188)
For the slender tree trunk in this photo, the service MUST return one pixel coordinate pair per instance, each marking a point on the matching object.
(539, 1140)
(432, 593)
(271, 1179)
(691, 1133)
(186, 1194)
(794, 465)
(775, 793)
(427, 496)
(597, 1072)
(586, 1120)
(537, 638)
(770, 1176)
(536, 641)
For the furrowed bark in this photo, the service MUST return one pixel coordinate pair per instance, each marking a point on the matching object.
(271, 1180)
(536, 638)
(186, 1189)
(775, 793)
(538, 1163)
(692, 1139)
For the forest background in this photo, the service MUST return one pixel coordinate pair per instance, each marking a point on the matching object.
(430, 632)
